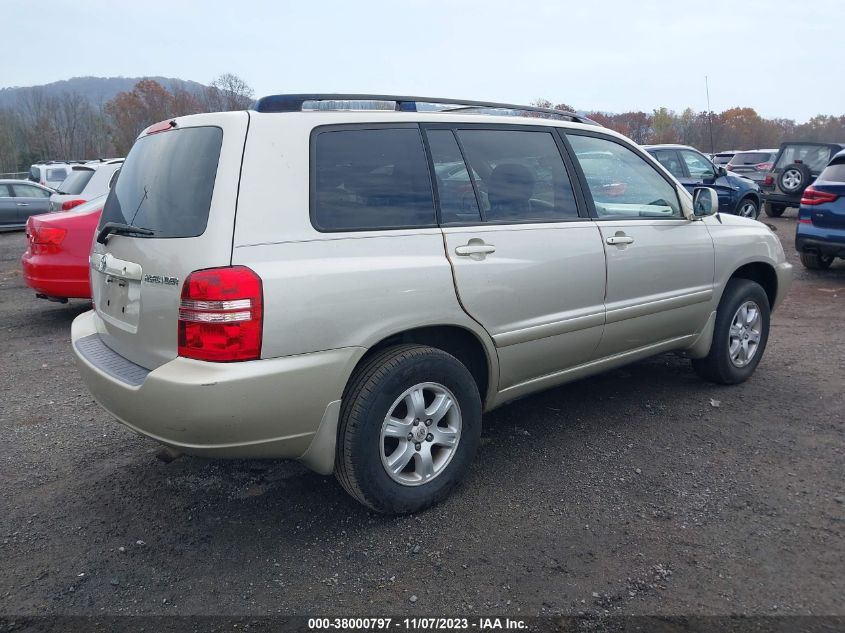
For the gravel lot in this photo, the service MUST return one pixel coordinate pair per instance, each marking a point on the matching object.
(641, 491)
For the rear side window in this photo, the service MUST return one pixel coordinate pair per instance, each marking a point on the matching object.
(813, 156)
(34, 174)
(520, 175)
(28, 191)
(75, 183)
(5, 191)
(671, 161)
(56, 175)
(166, 182)
(834, 172)
(370, 179)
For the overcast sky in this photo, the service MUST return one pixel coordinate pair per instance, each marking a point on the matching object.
(782, 57)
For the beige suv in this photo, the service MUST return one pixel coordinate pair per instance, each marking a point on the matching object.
(351, 280)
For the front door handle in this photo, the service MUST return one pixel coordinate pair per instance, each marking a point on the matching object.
(475, 249)
(23, 204)
(620, 239)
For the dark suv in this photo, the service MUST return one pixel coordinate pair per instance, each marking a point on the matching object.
(797, 166)
(737, 195)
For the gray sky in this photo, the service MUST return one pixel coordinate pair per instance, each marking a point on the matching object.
(782, 57)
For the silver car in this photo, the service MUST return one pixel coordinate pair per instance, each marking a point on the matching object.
(20, 199)
(330, 285)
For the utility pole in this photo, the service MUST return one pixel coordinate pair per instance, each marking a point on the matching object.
(709, 115)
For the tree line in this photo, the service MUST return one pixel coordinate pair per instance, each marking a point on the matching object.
(735, 128)
(69, 126)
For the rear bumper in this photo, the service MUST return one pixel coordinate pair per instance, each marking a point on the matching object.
(779, 198)
(834, 246)
(264, 408)
(49, 275)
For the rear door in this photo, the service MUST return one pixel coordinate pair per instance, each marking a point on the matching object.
(30, 200)
(181, 183)
(527, 266)
(8, 210)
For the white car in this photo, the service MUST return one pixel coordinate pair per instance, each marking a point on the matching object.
(51, 173)
(85, 182)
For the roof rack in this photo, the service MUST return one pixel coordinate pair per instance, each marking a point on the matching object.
(296, 103)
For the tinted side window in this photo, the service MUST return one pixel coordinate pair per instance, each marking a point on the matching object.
(457, 197)
(520, 175)
(5, 191)
(371, 179)
(669, 159)
(54, 175)
(624, 185)
(28, 191)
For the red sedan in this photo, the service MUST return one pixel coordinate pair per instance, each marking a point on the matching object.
(55, 263)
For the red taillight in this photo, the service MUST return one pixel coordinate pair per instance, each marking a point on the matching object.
(67, 205)
(805, 221)
(764, 166)
(220, 315)
(813, 197)
(46, 235)
(769, 180)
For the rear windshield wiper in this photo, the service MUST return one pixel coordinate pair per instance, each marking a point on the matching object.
(120, 229)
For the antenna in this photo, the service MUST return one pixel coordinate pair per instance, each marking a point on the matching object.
(709, 115)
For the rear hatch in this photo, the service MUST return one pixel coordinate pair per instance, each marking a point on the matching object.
(826, 197)
(180, 182)
(751, 163)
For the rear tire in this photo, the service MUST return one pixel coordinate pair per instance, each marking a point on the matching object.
(380, 406)
(732, 359)
(816, 261)
(774, 210)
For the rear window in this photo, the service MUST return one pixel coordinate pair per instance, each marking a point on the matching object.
(166, 182)
(75, 183)
(56, 175)
(751, 158)
(834, 172)
(370, 179)
(813, 156)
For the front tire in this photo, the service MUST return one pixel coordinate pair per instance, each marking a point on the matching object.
(739, 335)
(748, 208)
(816, 261)
(410, 424)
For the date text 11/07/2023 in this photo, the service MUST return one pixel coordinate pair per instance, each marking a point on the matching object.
(417, 624)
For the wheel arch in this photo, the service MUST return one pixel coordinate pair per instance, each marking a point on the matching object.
(464, 344)
(764, 274)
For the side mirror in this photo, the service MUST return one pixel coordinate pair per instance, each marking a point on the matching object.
(705, 201)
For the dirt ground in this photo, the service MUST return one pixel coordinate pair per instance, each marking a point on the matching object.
(641, 491)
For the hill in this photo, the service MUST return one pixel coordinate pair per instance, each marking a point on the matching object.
(98, 90)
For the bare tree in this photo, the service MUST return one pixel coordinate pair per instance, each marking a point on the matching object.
(228, 92)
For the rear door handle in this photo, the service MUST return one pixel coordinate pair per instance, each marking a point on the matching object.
(620, 239)
(476, 249)
(23, 204)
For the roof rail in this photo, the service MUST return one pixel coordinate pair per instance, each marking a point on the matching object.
(295, 103)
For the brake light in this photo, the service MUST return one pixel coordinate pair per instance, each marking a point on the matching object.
(805, 221)
(46, 235)
(764, 166)
(67, 205)
(770, 180)
(221, 314)
(813, 197)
